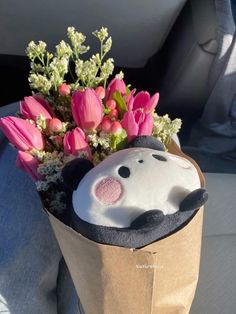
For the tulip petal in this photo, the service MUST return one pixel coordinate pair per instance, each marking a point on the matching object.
(129, 124)
(146, 126)
(87, 109)
(75, 143)
(29, 164)
(75, 105)
(30, 108)
(152, 103)
(130, 99)
(21, 133)
(45, 104)
(141, 100)
(115, 85)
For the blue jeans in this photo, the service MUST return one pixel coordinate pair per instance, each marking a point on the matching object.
(33, 275)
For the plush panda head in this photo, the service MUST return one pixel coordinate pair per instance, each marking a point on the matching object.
(126, 199)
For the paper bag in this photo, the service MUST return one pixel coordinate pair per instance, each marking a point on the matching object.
(159, 278)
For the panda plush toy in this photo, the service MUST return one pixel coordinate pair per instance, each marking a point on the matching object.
(135, 196)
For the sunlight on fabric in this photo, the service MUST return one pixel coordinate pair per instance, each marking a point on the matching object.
(227, 40)
(3, 306)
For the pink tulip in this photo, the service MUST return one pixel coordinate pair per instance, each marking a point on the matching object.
(29, 164)
(130, 99)
(45, 104)
(115, 85)
(21, 133)
(137, 123)
(144, 101)
(30, 108)
(87, 109)
(75, 143)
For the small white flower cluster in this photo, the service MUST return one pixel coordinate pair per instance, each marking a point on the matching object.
(101, 34)
(77, 39)
(48, 70)
(102, 140)
(164, 128)
(34, 50)
(100, 145)
(40, 82)
(41, 122)
(120, 75)
(50, 168)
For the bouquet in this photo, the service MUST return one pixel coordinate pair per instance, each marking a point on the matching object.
(77, 111)
(85, 118)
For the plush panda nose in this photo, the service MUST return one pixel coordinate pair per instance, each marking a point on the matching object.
(108, 191)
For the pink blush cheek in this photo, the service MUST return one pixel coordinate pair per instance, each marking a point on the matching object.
(108, 191)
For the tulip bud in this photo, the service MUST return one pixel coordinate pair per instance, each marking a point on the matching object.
(30, 108)
(87, 109)
(55, 125)
(29, 164)
(100, 91)
(64, 89)
(75, 143)
(116, 127)
(21, 133)
(115, 85)
(106, 124)
(111, 104)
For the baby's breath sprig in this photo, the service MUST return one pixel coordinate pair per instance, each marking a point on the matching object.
(48, 70)
(164, 128)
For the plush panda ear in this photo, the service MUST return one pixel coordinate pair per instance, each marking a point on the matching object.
(146, 142)
(74, 172)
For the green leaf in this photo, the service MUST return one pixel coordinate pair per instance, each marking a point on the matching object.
(120, 102)
(128, 89)
(118, 141)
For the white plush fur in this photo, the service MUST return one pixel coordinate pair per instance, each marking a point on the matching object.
(152, 184)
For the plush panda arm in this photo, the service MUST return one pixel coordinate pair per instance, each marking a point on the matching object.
(148, 219)
(194, 200)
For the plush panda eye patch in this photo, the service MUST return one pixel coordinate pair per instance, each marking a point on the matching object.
(124, 172)
(159, 157)
(140, 161)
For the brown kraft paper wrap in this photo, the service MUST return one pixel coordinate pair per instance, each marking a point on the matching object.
(159, 278)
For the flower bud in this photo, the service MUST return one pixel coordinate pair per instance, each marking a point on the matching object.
(75, 143)
(100, 91)
(54, 125)
(106, 124)
(111, 104)
(87, 109)
(116, 127)
(115, 85)
(113, 114)
(64, 89)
